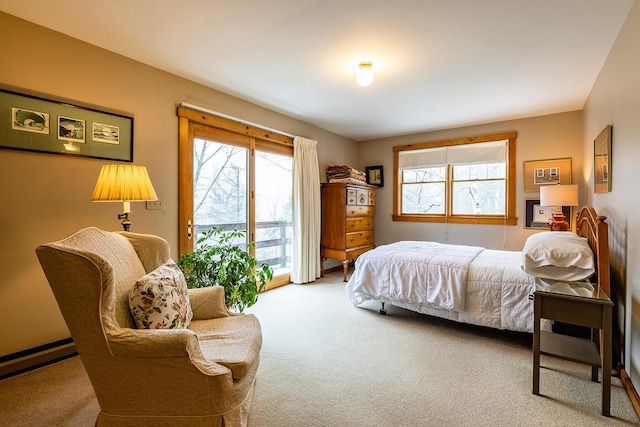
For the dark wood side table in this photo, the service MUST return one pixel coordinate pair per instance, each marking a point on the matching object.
(576, 303)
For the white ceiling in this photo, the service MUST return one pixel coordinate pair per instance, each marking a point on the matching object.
(438, 63)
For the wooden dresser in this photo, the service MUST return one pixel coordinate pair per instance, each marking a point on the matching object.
(347, 222)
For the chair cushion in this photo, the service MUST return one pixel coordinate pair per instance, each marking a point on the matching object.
(159, 299)
(232, 341)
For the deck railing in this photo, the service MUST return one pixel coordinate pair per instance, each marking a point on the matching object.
(279, 240)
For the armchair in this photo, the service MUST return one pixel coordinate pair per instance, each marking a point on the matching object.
(200, 375)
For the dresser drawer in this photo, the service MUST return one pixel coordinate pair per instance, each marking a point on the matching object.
(359, 238)
(359, 224)
(360, 197)
(352, 196)
(352, 254)
(355, 211)
(363, 198)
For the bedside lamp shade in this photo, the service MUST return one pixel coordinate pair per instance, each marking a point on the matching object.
(559, 196)
(123, 183)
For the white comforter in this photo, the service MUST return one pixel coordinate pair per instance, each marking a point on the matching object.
(478, 286)
(420, 272)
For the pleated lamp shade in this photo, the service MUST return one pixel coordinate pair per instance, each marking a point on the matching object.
(123, 183)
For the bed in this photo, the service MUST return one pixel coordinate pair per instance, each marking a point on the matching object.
(479, 286)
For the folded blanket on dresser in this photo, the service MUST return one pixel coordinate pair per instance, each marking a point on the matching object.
(418, 272)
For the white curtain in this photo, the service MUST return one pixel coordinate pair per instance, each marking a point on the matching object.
(306, 211)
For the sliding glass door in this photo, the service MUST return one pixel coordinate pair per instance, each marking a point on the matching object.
(238, 182)
(220, 186)
(273, 207)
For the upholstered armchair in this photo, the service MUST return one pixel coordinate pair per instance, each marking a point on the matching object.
(199, 375)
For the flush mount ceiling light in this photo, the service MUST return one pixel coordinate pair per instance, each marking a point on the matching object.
(364, 76)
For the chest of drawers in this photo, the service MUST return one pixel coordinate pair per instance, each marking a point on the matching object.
(347, 222)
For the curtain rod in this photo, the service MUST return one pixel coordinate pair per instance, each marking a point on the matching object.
(235, 119)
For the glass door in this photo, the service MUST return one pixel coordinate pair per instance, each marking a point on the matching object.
(273, 206)
(237, 182)
(220, 178)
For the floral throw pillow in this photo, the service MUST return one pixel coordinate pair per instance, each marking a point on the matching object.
(159, 300)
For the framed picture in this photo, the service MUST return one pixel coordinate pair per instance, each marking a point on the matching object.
(108, 134)
(602, 160)
(540, 216)
(32, 123)
(546, 172)
(29, 121)
(374, 175)
(70, 129)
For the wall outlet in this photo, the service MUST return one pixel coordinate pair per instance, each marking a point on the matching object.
(158, 205)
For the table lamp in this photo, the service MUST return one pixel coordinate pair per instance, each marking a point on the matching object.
(124, 183)
(559, 196)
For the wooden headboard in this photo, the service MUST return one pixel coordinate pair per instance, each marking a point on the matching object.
(594, 228)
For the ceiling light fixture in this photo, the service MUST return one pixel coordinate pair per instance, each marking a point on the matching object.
(364, 76)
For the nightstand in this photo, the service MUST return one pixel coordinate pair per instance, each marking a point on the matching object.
(576, 303)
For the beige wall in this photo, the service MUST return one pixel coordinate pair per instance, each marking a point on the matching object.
(47, 197)
(615, 100)
(545, 137)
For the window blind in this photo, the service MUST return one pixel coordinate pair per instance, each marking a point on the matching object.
(483, 152)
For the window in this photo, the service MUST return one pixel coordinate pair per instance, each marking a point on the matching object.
(467, 180)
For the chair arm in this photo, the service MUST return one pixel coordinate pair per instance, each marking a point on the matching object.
(163, 343)
(150, 342)
(208, 303)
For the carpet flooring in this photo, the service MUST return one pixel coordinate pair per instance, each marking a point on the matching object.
(325, 362)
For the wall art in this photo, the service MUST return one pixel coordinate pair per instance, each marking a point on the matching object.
(33, 123)
(602, 161)
(538, 216)
(546, 172)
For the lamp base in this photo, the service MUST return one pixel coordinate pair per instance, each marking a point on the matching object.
(126, 224)
(559, 222)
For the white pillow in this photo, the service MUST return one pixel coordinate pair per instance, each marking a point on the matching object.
(159, 300)
(559, 255)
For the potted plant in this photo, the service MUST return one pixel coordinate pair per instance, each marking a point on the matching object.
(218, 261)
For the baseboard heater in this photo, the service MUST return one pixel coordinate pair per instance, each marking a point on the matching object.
(25, 360)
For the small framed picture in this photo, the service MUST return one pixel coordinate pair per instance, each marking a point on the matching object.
(70, 129)
(374, 175)
(602, 160)
(106, 133)
(29, 120)
(539, 217)
(546, 172)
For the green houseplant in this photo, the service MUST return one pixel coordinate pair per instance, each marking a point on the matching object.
(218, 261)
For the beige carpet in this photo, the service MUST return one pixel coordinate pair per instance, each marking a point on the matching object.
(327, 363)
